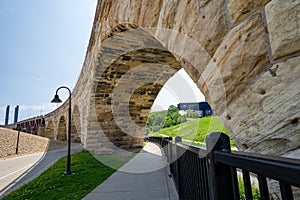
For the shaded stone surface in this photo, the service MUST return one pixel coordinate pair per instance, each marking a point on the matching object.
(127, 89)
(238, 61)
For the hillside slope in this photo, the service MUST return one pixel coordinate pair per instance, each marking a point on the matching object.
(194, 130)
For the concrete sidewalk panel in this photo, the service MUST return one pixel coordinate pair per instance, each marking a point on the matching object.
(143, 177)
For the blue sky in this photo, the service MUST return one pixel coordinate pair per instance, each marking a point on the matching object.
(42, 46)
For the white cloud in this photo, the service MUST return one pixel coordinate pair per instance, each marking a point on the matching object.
(43, 107)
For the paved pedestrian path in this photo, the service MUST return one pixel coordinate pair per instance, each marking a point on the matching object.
(17, 171)
(143, 177)
(14, 168)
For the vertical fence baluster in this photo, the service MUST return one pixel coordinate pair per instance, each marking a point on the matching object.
(286, 191)
(178, 178)
(170, 152)
(235, 184)
(205, 167)
(202, 179)
(263, 187)
(247, 185)
(173, 161)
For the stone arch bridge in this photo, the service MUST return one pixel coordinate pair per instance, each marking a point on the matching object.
(244, 57)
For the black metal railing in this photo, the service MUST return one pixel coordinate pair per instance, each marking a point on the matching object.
(212, 173)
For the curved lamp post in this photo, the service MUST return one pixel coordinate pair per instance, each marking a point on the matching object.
(57, 100)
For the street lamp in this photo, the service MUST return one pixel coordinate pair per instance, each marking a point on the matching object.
(57, 100)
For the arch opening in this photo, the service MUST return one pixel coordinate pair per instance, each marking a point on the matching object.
(76, 125)
(137, 67)
(127, 90)
(49, 132)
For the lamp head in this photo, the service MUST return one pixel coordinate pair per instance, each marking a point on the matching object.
(56, 99)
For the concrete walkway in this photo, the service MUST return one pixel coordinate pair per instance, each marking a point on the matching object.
(143, 177)
(17, 171)
(13, 168)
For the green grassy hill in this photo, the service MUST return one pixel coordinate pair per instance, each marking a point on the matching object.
(194, 130)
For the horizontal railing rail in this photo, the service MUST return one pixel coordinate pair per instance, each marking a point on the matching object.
(212, 172)
(274, 169)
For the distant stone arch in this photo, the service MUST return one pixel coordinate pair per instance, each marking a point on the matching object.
(62, 129)
(50, 132)
(76, 125)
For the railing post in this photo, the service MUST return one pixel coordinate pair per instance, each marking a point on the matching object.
(177, 155)
(220, 182)
(169, 156)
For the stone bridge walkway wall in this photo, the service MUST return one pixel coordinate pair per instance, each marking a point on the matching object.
(244, 58)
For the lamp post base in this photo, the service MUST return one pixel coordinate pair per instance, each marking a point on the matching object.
(68, 172)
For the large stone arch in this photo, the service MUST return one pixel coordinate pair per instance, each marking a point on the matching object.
(49, 130)
(244, 59)
(135, 62)
(128, 78)
(61, 129)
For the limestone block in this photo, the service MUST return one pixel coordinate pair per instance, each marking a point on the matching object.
(266, 117)
(239, 9)
(283, 19)
(203, 2)
(197, 31)
(241, 57)
(210, 27)
(168, 14)
(132, 14)
(149, 13)
(205, 23)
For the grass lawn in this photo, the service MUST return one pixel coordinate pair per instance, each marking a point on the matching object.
(52, 184)
(194, 131)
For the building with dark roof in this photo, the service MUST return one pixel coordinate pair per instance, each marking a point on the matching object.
(203, 108)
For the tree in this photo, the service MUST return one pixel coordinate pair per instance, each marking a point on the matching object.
(163, 119)
(156, 120)
(173, 117)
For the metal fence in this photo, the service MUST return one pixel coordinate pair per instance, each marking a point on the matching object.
(212, 173)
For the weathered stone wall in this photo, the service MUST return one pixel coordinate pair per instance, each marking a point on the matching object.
(244, 57)
(264, 118)
(28, 143)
